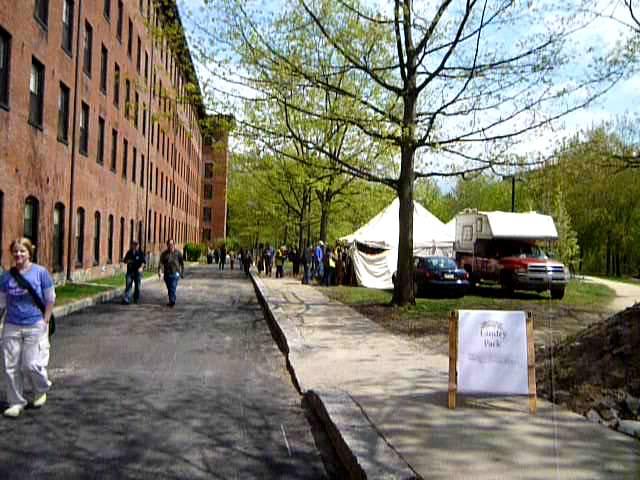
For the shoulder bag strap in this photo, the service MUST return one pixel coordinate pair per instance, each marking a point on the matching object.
(25, 284)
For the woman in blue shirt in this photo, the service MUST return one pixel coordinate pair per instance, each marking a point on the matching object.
(25, 339)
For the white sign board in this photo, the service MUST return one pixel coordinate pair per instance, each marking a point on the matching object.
(492, 352)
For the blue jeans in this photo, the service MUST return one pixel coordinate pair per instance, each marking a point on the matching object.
(132, 279)
(171, 281)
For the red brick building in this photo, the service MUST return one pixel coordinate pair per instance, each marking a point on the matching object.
(100, 138)
(213, 221)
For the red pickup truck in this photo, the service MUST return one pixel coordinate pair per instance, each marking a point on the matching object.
(515, 264)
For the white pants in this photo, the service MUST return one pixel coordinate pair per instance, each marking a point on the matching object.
(26, 356)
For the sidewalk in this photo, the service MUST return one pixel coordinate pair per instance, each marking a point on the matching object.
(383, 400)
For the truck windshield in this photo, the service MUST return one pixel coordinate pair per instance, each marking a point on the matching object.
(526, 250)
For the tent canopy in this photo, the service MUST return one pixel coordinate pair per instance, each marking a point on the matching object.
(430, 237)
(383, 230)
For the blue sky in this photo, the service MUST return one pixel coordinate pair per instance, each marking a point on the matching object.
(621, 100)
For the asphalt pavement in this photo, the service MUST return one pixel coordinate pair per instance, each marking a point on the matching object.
(147, 391)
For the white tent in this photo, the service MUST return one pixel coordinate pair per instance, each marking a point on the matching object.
(430, 237)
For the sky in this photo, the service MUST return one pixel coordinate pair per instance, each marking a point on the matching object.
(621, 100)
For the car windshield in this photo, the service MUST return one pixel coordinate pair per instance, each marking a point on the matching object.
(441, 263)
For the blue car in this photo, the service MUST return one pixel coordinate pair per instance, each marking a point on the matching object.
(437, 276)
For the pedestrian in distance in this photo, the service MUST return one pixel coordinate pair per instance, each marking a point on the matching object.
(28, 294)
(223, 257)
(172, 267)
(247, 260)
(280, 258)
(135, 261)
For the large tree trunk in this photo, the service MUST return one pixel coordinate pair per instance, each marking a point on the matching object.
(403, 293)
(325, 207)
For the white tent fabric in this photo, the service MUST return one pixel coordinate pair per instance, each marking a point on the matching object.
(430, 237)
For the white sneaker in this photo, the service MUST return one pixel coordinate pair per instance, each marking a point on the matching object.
(13, 411)
(40, 400)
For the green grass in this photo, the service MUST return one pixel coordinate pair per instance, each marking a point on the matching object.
(578, 295)
(119, 280)
(73, 291)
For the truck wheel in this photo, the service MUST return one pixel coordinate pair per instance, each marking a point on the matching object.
(557, 293)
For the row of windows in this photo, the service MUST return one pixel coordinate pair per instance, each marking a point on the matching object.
(161, 230)
(37, 76)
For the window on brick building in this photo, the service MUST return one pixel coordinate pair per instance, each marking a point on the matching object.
(206, 214)
(139, 232)
(121, 256)
(116, 86)
(119, 21)
(5, 61)
(58, 237)
(208, 170)
(149, 226)
(125, 158)
(36, 93)
(146, 65)
(136, 108)
(110, 239)
(104, 66)
(139, 55)
(206, 235)
(144, 119)
(88, 48)
(96, 238)
(79, 237)
(134, 165)
(127, 98)
(114, 149)
(63, 113)
(132, 231)
(208, 191)
(130, 40)
(101, 141)
(107, 9)
(67, 26)
(41, 12)
(31, 219)
(155, 226)
(83, 146)
(156, 180)
(142, 170)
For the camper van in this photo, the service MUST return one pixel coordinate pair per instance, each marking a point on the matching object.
(506, 248)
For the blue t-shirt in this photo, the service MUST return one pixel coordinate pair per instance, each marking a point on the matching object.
(21, 308)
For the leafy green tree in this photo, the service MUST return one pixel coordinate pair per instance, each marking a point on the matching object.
(567, 247)
(450, 86)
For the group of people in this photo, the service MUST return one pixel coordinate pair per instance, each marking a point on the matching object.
(27, 297)
(220, 256)
(27, 294)
(323, 264)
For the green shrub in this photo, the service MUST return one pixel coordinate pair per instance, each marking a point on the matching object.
(193, 251)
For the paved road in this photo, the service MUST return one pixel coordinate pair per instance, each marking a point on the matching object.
(198, 391)
(627, 294)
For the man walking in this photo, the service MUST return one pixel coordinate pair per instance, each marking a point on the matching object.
(172, 264)
(135, 261)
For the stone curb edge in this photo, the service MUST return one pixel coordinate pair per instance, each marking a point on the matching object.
(335, 409)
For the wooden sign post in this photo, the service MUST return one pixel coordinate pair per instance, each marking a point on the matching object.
(494, 335)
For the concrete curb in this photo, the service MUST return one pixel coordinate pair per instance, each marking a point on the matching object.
(351, 433)
(69, 308)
